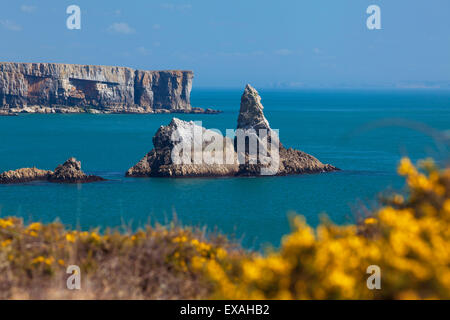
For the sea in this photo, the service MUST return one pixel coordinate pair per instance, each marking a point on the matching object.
(363, 132)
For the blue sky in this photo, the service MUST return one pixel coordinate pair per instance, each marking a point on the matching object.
(286, 44)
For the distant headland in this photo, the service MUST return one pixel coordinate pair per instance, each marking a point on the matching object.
(72, 88)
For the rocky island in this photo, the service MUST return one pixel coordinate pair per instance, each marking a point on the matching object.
(159, 162)
(68, 172)
(71, 88)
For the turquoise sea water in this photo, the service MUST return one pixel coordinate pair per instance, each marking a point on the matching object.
(363, 133)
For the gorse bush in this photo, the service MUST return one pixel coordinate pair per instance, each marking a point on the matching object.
(149, 264)
(408, 238)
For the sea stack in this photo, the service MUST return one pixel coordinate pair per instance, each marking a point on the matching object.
(252, 124)
(24, 175)
(68, 172)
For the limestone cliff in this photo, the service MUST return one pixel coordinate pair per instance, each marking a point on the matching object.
(51, 87)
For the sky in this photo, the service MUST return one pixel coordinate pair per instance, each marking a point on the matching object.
(271, 44)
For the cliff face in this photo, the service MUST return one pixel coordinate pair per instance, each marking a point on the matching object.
(40, 86)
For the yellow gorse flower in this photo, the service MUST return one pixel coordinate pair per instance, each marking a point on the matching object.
(39, 259)
(35, 226)
(95, 236)
(6, 223)
(370, 221)
(6, 243)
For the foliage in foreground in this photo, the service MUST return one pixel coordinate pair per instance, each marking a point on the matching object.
(409, 239)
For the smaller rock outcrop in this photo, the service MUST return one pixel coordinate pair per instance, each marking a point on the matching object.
(24, 175)
(68, 172)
